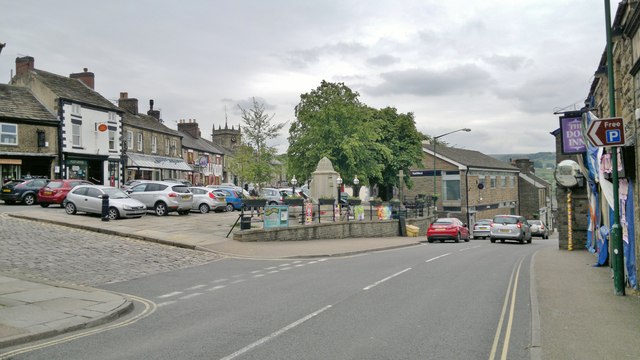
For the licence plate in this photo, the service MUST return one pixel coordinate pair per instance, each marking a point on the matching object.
(505, 230)
(48, 192)
(186, 197)
(6, 190)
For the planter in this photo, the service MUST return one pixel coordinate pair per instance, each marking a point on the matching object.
(375, 203)
(249, 203)
(326, 201)
(294, 202)
(354, 201)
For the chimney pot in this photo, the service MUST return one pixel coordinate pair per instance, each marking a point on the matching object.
(88, 78)
(24, 64)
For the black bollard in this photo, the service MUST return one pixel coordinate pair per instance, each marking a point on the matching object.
(105, 207)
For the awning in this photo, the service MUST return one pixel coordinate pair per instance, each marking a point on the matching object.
(157, 162)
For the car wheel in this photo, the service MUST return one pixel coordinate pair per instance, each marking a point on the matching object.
(184, 212)
(458, 238)
(273, 203)
(204, 208)
(502, 241)
(467, 239)
(160, 209)
(44, 205)
(113, 214)
(429, 240)
(229, 207)
(492, 240)
(70, 208)
(521, 240)
(29, 199)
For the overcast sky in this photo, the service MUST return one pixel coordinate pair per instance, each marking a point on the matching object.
(498, 67)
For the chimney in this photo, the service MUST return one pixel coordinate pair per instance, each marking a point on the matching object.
(129, 105)
(24, 64)
(154, 113)
(190, 127)
(86, 77)
(525, 165)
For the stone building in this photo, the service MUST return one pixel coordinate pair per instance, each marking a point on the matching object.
(534, 196)
(469, 185)
(205, 158)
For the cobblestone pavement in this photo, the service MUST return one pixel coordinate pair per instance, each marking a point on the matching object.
(57, 253)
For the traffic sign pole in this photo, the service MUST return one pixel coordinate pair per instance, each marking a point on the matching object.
(617, 257)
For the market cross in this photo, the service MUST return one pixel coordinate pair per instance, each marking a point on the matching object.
(606, 132)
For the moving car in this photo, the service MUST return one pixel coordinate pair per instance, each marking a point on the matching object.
(482, 229)
(448, 229)
(23, 191)
(207, 199)
(510, 227)
(88, 198)
(56, 191)
(538, 228)
(163, 197)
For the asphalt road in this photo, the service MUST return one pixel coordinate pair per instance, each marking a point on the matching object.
(434, 301)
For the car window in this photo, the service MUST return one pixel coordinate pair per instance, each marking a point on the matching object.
(181, 189)
(139, 188)
(54, 185)
(80, 191)
(444, 221)
(505, 220)
(39, 183)
(155, 187)
(115, 193)
(197, 191)
(93, 192)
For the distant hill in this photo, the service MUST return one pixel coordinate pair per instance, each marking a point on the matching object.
(541, 160)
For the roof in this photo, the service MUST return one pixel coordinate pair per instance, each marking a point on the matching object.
(147, 122)
(73, 89)
(19, 103)
(200, 144)
(534, 180)
(468, 158)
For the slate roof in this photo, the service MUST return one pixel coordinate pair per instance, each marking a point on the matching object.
(200, 144)
(469, 158)
(534, 180)
(18, 102)
(147, 122)
(73, 89)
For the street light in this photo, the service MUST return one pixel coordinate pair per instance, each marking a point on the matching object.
(339, 182)
(294, 181)
(434, 161)
(356, 188)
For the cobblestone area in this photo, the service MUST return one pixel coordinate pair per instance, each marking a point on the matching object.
(57, 253)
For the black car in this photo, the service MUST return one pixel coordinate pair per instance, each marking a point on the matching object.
(23, 191)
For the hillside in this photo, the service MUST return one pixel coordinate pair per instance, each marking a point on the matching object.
(541, 160)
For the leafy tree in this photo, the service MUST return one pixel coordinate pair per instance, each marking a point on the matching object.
(331, 121)
(253, 159)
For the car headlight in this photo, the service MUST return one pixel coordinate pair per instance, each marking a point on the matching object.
(127, 207)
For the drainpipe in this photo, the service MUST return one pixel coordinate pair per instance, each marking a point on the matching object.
(60, 122)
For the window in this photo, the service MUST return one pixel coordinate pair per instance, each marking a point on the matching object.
(76, 134)
(166, 146)
(452, 189)
(112, 139)
(503, 181)
(512, 181)
(481, 182)
(129, 140)
(154, 144)
(76, 109)
(8, 134)
(112, 117)
(139, 141)
(174, 148)
(493, 182)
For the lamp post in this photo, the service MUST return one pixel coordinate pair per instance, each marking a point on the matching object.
(356, 188)
(339, 182)
(434, 161)
(294, 181)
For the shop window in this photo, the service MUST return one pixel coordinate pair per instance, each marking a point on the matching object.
(8, 134)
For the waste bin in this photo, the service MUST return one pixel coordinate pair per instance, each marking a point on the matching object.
(245, 223)
(412, 230)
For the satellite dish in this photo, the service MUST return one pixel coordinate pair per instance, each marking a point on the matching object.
(568, 173)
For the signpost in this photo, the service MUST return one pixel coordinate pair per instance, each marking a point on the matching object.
(606, 132)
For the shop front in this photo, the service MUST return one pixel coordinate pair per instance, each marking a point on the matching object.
(150, 167)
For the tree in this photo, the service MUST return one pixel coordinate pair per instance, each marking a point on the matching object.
(253, 159)
(331, 121)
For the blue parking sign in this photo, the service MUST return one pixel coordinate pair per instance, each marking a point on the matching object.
(613, 136)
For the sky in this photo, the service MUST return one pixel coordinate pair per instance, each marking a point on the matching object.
(499, 67)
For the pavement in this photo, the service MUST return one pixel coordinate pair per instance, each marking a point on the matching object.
(574, 310)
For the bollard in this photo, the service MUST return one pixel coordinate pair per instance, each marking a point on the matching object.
(105, 207)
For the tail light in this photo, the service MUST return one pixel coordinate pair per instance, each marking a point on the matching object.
(519, 225)
(172, 195)
(212, 196)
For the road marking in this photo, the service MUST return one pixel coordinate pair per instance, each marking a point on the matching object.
(196, 287)
(286, 268)
(169, 294)
(258, 275)
(496, 339)
(216, 288)
(385, 279)
(469, 248)
(166, 303)
(190, 296)
(275, 334)
(256, 271)
(438, 257)
(281, 265)
(273, 272)
(300, 265)
(238, 281)
(271, 268)
(219, 280)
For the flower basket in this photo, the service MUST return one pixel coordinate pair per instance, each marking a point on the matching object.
(258, 202)
(326, 201)
(291, 201)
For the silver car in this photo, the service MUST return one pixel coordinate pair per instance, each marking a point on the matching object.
(273, 196)
(207, 199)
(510, 227)
(163, 197)
(538, 228)
(88, 198)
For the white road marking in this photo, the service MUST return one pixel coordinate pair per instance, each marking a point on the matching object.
(281, 265)
(169, 295)
(219, 280)
(258, 275)
(438, 257)
(271, 268)
(256, 271)
(274, 334)
(216, 287)
(385, 279)
(195, 287)
(190, 296)
(166, 303)
(286, 268)
(469, 248)
(273, 272)
(237, 281)
(299, 265)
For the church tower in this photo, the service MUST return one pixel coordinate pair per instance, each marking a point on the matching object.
(229, 138)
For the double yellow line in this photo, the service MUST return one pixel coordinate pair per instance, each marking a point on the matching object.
(511, 293)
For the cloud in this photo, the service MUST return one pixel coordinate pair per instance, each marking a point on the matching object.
(509, 62)
(304, 57)
(383, 60)
(467, 78)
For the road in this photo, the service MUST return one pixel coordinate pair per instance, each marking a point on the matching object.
(434, 301)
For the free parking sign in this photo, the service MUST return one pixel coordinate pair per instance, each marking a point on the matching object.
(606, 132)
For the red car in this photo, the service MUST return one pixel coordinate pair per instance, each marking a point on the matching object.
(56, 191)
(448, 229)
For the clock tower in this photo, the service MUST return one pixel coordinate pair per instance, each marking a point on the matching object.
(230, 138)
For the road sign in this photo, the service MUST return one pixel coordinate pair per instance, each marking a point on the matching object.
(606, 132)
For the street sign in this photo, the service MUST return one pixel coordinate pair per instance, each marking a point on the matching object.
(606, 132)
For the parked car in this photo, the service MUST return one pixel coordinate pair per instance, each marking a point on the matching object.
(538, 228)
(23, 191)
(273, 196)
(180, 181)
(448, 229)
(56, 191)
(207, 199)
(510, 227)
(234, 199)
(482, 229)
(163, 197)
(88, 198)
(131, 183)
